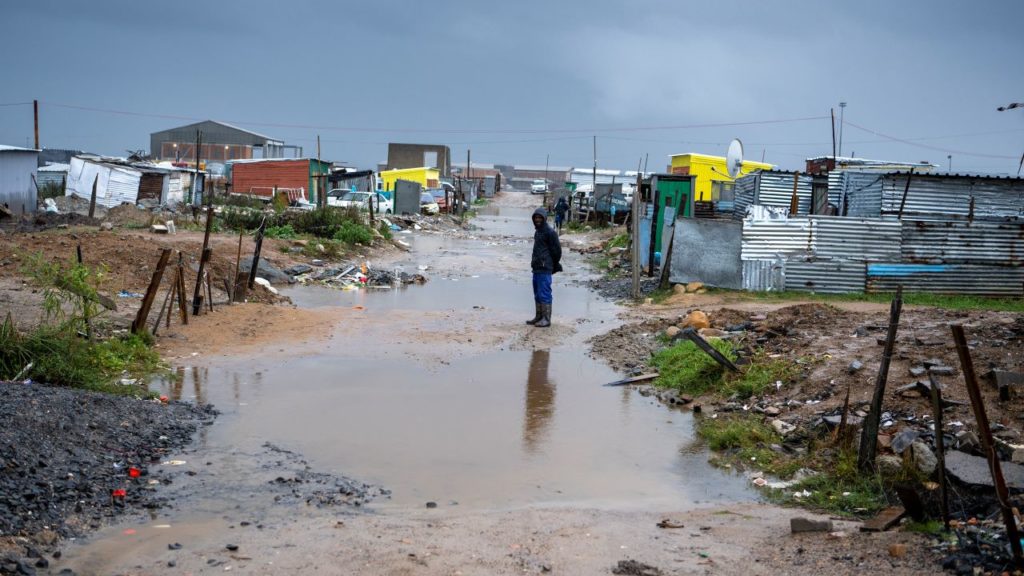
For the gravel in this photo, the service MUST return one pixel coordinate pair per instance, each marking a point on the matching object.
(65, 453)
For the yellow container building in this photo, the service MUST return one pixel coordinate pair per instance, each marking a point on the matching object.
(709, 172)
(427, 177)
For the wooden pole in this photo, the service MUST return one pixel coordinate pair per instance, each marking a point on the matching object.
(197, 295)
(869, 434)
(35, 120)
(794, 200)
(635, 235)
(85, 301)
(238, 264)
(833, 112)
(163, 308)
(987, 444)
(654, 228)
(906, 191)
(321, 198)
(197, 298)
(940, 450)
(139, 324)
(256, 253)
(92, 198)
(182, 307)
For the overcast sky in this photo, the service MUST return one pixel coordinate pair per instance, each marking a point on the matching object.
(518, 80)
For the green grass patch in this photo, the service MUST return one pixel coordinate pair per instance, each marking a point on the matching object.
(285, 232)
(760, 375)
(688, 369)
(944, 301)
(931, 527)
(385, 230)
(61, 357)
(354, 233)
(618, 241)
(744, 441)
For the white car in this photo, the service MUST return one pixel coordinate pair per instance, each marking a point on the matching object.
(539, 187)
(428, 205)
(361, 200)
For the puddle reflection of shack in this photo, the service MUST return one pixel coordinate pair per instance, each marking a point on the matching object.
(540, 401)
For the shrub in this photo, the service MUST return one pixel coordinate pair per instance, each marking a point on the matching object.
(354, 233)
(285, 232)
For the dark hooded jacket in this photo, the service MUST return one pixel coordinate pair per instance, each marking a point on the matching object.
(547, 250)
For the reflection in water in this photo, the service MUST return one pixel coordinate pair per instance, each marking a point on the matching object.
(540, 401)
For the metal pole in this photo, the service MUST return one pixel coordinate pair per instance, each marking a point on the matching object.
(842, 115)
(594, 180)
(833, 112)
(320, 196)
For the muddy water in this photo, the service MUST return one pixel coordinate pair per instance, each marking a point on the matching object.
(402, 397)
(483, 428)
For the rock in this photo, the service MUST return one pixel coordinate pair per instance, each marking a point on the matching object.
(974, 470)
(298, 269)
(942, 370)
(897, 550)
(694, 286)
(904, 439)
(967, 440)
(679, 289)
(712, 333)
(932, 362)
(772, 411)
(701, 291)
(107, 226)
(783, 427)
(888, 465)
(799, 524)
(25, 569)
(175, 546)
(617, 251)
(855, 366)
(924, 458)
(266, 270)
(431, 504)
(42, 563)
(232, 547)
(696, 320)
(1017, 456)
(916, 371)
(158, 229)
(300, 243)
(672, 331)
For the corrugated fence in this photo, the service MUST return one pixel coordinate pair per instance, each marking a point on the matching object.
(832, 254)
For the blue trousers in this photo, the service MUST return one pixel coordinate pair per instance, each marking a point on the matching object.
(542, 287)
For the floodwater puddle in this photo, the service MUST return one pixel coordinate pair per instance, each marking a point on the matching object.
(402, 397)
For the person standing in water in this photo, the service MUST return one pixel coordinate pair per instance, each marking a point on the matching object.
(545, 261)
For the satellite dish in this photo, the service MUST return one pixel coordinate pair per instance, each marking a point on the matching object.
(734, 158)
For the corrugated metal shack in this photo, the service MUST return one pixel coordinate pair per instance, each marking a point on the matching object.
(17, 171)
(121, 182)
(942, 233)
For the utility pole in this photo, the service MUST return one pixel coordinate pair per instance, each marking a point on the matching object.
(321, 198)
(949, 158)
(594, 181)
(35, 120)
(833, 112)
(842, 115)
(195, 180)
(547, 158)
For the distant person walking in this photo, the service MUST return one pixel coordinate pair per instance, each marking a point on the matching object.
(546, 261)
(560, 211)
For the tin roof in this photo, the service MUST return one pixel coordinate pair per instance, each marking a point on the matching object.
(6, 148)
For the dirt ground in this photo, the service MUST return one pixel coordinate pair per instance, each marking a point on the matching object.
(828, 338)
(738, 538)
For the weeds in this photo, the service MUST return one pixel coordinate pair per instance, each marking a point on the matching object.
(619, 241)
(385, 230)
(60, 357)
(761, 374)
(688, 369)
(285, 232)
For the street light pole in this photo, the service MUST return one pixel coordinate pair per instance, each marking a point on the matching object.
(842, 111)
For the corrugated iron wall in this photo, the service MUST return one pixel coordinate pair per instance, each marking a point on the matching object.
(831, 254)
(946, 279)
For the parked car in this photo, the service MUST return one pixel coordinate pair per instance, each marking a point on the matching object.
(439, 197)
(361, 200)
(539, 187)
(428, 205)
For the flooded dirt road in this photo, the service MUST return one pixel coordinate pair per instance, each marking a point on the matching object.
(436, 393)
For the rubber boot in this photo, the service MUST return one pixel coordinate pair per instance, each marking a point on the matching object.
(545, 320)
(539, 314)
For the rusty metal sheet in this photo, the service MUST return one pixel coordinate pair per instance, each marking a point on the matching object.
(962, 242)
(825, 276)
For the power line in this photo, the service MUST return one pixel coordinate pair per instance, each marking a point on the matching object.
(15, 104)
(928, 147)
